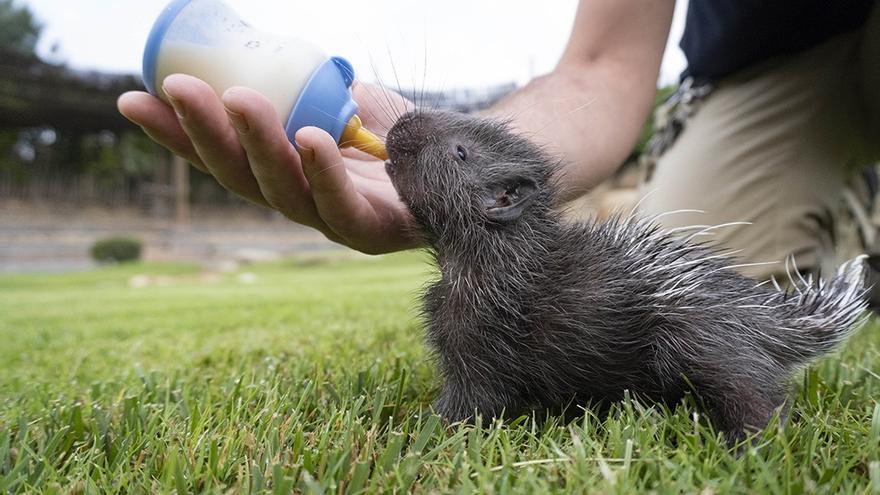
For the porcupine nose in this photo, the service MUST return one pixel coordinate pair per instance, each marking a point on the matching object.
(405, 139)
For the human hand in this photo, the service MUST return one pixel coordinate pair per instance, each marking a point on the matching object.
(239, 139)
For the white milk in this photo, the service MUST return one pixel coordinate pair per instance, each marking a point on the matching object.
(279, 68)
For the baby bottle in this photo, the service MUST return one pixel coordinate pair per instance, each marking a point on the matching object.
(208, 40)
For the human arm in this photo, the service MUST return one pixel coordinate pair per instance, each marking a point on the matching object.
(592, 106)
(589, 109)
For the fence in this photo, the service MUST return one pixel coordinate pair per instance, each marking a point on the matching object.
(151, 194)
(115, 191)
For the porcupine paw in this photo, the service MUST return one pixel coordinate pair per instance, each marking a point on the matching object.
(742, 414)
(458, 404)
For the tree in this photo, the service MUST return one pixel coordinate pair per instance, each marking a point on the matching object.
(19, 33)
(19, 30)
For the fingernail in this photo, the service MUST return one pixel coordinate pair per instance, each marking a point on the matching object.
(178, 107)
(307, 154)
(238, 121)
(130, 119)
(176, 104)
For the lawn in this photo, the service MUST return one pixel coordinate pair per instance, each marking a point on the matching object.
(311, 376)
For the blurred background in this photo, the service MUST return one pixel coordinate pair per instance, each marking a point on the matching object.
(79, 184)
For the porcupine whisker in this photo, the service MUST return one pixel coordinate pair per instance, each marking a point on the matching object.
(582, 106)
(388, 111)
(389, 118)
(393, 69)
(513, 116)
(551, 121)
(384, 127)
(425, 60)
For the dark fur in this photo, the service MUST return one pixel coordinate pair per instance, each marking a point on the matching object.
(532, 312)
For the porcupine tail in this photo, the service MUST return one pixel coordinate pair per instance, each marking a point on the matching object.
(815, 318)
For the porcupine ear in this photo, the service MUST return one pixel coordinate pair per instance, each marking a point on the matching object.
(506, 199)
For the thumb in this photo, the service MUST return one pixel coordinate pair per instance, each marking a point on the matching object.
(337, 200)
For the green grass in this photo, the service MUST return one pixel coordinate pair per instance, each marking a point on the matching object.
(312, 377)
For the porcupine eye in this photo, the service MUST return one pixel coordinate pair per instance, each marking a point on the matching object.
(462, 152)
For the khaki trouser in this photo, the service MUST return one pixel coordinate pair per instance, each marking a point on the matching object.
(774, 145)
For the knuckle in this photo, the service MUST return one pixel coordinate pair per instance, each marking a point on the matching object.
(281, 203)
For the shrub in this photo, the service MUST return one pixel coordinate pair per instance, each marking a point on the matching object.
(117, 249)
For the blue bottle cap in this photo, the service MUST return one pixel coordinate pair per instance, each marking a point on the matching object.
(326, 100)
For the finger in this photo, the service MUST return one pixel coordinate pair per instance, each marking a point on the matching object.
(202, 116)
(273, 160)
(159, 122)
(355, 154)
(395, 223)
(372, 169)
(340, 205)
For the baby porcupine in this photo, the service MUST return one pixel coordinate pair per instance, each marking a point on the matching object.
(531, 312)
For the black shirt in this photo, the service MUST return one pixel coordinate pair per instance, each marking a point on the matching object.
(723, 36)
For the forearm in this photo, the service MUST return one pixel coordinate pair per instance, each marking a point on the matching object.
(586, 119)
(591, 108)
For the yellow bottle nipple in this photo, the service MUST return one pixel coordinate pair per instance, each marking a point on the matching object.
(358, 137)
